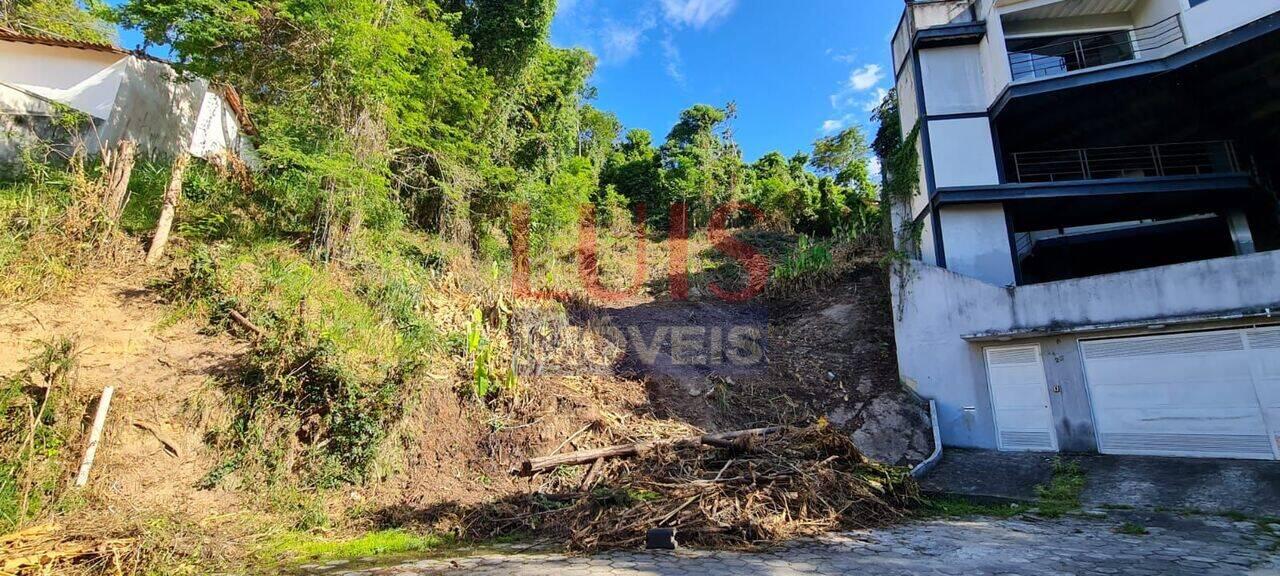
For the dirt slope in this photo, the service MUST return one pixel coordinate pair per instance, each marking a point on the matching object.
(160, 374)
(826, 352)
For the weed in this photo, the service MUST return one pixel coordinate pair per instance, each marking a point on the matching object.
(54, 224)
(307, 511)
(318, 393)
(1131, 529)
(808, 260)
(36, 425)
(958, 507)
(296, 548)
(215, 476)
(624, 496)
(1062, 494)
(486, 382)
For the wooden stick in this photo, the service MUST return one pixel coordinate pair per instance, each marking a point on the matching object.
(172, 196)
(169, 445)
(590, 479)
(536, 465)
(571, 438)
(246, 324)
(95, 434)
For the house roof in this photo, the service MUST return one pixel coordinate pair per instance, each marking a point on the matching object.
(9, 35)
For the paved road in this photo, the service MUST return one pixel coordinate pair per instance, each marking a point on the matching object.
(1201, 546)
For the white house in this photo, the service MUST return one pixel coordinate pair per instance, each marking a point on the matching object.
(1096, 264)
(125, 95)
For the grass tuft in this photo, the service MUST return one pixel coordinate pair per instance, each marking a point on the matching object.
(294, 548)
(958, 507)
(1131, 529)
(1062, 494)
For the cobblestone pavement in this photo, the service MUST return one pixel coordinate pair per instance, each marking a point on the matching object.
(1201, 546)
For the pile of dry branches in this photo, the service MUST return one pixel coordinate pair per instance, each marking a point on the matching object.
(756, 490)
(51, 549)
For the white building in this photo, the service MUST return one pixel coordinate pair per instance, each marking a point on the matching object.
(126, 96)
(1096, 265)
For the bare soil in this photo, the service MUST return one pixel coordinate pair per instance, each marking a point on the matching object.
(827, 352)
(161, 376)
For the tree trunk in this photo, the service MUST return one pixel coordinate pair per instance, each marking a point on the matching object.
(722, 440)
(119, 169)
(172, 195)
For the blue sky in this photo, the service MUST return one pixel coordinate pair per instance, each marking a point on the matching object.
(796, 68)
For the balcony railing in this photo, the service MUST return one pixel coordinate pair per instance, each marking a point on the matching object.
(1184, 159)
(1043, 57)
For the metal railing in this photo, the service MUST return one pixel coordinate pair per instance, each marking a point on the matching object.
(1183, 159)
(1093, 50)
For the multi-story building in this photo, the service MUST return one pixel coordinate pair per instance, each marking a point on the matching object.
(1094, 263)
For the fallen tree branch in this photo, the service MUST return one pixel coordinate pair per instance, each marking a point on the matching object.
(722, 440)
(590, 479)
(170, 446)
(245, 323)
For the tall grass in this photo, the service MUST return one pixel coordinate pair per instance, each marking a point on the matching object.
(37, 425)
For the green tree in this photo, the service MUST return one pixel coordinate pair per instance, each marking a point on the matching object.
(701, 163)
(71, 19)
(597, 133)
(846, 159)
(506, 35)
(633, 171)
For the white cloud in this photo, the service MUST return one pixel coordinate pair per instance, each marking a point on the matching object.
(697, 13)
(619, 43)
(875, 166)
(875, 101)
(565, 6)
(860, 80)
(842, 57)
(674, 61)
(865, 78)
(842, 102)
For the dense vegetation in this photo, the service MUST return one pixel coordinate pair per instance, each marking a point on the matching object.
(58, 18)
(440, 114)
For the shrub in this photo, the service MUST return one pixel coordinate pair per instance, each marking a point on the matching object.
(806, 262)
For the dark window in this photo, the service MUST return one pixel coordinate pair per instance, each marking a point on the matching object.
(1121, 250)
(1195, 3)
(1053, 55)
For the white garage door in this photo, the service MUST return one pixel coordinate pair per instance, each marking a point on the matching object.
(1206, 394)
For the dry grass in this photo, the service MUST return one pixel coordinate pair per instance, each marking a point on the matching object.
(51, 549)
(54, 228)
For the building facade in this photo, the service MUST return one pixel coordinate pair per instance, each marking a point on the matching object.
(122, 96)
(1092, 247)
